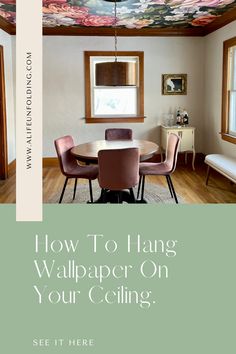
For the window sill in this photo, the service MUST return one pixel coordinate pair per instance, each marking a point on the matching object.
(138, 119)
(228, 137)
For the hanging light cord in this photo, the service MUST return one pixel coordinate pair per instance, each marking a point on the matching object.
(115, 31)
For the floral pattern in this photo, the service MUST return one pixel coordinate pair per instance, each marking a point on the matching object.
(130, 13)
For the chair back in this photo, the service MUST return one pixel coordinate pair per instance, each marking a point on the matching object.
(63, 146)
(172, 151)
(118, 134)
(118, 169)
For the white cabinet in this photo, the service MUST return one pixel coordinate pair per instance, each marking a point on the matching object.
(187, 136)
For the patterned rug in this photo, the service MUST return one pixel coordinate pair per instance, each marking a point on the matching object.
(153, 194)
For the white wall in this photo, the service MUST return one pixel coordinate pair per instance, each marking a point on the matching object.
(63, 96)
(213, 91)
(6, 42)
(63, 92)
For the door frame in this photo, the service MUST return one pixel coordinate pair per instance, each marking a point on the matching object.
(3, 121)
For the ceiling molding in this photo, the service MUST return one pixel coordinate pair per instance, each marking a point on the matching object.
(221, 21)
(7, 26)
(122, 32)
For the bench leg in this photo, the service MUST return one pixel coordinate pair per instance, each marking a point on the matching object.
(208, 174)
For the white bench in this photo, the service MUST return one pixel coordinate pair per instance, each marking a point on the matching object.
(222, 164)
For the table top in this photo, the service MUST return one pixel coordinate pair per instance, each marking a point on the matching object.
(89, 151)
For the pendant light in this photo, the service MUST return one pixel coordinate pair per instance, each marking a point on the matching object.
(116, 73)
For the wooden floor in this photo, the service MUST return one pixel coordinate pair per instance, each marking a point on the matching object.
(8, 190)
(189, 184)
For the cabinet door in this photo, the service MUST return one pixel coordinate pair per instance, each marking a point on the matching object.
(167, 132)
(165, 135)
(187, 140)
(163, 138)
(170, 131)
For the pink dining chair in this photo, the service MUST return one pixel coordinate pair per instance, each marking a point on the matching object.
(118, 171)
(70, 167)
(118, 134)
(165, 168)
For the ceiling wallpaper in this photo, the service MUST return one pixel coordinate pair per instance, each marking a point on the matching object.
(130, 14)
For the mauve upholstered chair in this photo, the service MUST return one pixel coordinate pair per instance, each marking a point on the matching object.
(165, 168)
(118, 171)
(69, 166)
(118, 134)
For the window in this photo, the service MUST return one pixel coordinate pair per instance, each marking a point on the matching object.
(113, 103)
(228, 132)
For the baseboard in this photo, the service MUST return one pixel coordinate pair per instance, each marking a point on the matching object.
(47, 162)
(199, 158)
(50, 162)
(53, 161)
(12, 168)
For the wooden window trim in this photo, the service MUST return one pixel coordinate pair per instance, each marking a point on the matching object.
(88, 114)
(3, 121)
(225, 97)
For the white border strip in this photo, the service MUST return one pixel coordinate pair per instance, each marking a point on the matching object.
(29, 110)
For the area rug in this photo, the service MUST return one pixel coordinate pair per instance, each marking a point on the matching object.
(154, 194)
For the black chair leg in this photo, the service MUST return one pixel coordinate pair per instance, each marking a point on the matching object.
(75, 188)
(63, 190)
(132, 196)
(143, 184)
(120, 197)
(173, 190)
(139, 185)
(169, 186)
(90, 191)
(103, 196)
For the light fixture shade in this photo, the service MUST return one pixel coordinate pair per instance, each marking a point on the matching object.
(116, 73)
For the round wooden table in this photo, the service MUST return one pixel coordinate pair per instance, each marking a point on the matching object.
(88, 152)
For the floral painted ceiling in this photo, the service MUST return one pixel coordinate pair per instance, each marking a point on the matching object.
(134, 14)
